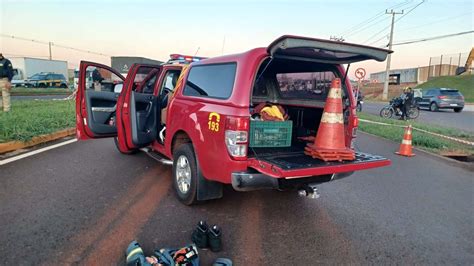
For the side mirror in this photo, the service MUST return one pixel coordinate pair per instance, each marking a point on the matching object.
(118, 88)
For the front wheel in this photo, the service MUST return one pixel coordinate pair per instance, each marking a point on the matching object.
(359, 107)
(434, 107)
(457, 110)
(185, 174)
(386, 112)
(414, 112)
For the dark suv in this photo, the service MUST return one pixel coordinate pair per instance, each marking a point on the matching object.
(47, 80)
(442, 98)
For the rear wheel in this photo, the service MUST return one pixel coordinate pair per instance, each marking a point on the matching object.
(413, 113)
(434, 107)
(359, 107)
(63, 86)
(185, 174)
(42, 85)
(386, 112)
(457, 110)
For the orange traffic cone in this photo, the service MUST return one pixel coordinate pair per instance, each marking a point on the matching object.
(405, 147)
(329, 144)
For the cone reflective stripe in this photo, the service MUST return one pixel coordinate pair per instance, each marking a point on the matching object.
(329, 144)
(405, 147)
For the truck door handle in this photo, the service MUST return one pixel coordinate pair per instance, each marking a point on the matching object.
(104, 109)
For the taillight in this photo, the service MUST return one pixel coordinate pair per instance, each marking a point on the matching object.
(442, 97)
(461, 97)
(236, 136)
(355, 121)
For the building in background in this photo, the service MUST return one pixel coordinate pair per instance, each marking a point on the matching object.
(443, 65)
(123, 63)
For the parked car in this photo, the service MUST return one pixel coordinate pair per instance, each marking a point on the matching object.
(46, 80)
(197, 117)
(442, 98)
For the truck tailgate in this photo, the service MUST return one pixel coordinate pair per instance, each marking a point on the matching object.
(296, 164)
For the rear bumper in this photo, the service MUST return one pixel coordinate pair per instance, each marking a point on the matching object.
(252, 180)
(448, 105)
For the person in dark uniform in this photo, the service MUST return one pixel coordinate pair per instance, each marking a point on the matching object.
(407, 102)
(6, 75)
(97, 80)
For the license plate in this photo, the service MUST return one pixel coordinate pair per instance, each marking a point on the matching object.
(453, 104)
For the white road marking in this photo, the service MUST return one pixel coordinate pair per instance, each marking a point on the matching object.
(31, 153)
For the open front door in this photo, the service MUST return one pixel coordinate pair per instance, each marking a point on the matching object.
(99, 87)
(138, 121)
(324, 51)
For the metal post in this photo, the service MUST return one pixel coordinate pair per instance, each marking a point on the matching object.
(389, 57)
(429, 70)
(459, 62)
(440, 65)
(50, 53)
(449, 68)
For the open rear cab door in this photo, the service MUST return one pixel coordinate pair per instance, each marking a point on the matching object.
(96, 101)
(323, 51)
(138, 118)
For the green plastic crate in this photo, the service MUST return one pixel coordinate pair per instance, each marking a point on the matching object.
(270, 133)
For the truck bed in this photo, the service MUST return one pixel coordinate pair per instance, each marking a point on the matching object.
(293, 158)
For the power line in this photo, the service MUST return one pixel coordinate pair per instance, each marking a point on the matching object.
(436, 21)
(380, 14)
(53, 44)
(408, 12)
(376, 22)
(374, 42)
(434, 38)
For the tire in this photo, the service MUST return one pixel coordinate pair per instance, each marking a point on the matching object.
(413, 113)
(457, 110)
(359, 107)
(123, 152)
(386, 112)
(434, 107)
(184, 164)
(63, 86)
(42, 86)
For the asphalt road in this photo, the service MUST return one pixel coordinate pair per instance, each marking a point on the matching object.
(84, 202)
(446, 118)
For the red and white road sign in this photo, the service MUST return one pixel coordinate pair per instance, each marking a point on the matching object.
(360, 73)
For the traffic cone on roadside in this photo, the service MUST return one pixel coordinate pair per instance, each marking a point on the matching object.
(329, 144)
(405, 147)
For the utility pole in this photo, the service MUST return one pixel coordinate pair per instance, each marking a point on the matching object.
(389, 57)
(223, 44)
(50, 54)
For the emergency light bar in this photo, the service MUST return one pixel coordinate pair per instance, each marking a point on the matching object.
(186, 59)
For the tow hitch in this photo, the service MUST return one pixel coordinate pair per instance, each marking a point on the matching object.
(310, 191)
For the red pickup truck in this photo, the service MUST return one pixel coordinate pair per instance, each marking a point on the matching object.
(197, 116)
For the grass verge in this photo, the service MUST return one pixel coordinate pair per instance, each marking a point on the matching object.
(420, 139)
(17, 91)
(28, 119)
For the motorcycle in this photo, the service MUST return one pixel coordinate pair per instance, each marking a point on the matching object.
(393, 108)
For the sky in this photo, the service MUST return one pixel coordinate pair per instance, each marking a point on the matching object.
(155, 29)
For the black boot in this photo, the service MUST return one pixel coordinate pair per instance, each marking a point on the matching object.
(200, 235)
(215, 239)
